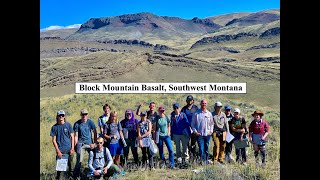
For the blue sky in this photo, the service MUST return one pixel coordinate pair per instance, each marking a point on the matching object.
(64, 13)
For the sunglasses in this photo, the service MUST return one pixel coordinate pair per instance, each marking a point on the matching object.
(99, 142)
(61, 115)
(84, 114)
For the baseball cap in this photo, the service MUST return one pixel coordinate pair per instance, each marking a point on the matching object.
(143, 113)
(236, 110)
(61, 112)
(161, 108)
(128, 111)
(189, 98)
(227, 107)
(175, 105)
(84, 111)
(218, 104)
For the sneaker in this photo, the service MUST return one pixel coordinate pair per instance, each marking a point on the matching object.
(263, 165)
(244, 163)
(172, 167)
(123, 173)
(257, 165)
(152, 169)
(179, 160)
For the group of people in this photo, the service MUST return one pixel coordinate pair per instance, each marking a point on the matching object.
(187, 127)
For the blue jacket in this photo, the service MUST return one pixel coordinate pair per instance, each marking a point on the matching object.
(179, 124)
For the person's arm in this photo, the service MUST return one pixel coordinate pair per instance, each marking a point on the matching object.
(169, 128)
(90, 161)
(138, 110)
(193, 123)
(212, 125)
(55, 144)
(267, 127)
(109, 159)
(75, 138)
(250, 131)
(120, 130)
(72, 143)
(100, 125)
(226, 123)
(75, 129)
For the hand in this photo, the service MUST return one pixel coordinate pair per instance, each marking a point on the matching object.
(91, 146)
(263, 138)
(250, 139)
(114, 136)
(241, 138)
(96, 173)
(210, 133)
(139, 137)
(105, 170)
(59, 154)
(71, 151)
(197, 134)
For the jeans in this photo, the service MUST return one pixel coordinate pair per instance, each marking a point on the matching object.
(184, 141)
(134, 150)
(218, 148)
(243, 154)
(167, 141)
(203, 143)
(80, 155)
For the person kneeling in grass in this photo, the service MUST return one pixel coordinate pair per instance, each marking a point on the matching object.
(101, 163)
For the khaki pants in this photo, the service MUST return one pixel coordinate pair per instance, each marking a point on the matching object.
(218, 148)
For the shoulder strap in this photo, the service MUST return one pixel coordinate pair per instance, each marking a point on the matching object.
(94, 153)
(105, 154)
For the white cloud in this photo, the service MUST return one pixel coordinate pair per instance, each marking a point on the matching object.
(60, 27)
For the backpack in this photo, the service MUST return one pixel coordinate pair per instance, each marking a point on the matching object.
(104, 154)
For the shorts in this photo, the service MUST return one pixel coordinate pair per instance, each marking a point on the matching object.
(115, 149)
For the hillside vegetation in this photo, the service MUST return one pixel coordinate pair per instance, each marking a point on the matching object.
(237, 48)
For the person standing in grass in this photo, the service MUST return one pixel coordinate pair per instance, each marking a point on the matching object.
(144, 137)
(189, 109)
(151, 114)
(221, 127)
(129, 128)
(258, 132)
(202, 126)
(239, 130)
(102, 120)
(100, 162)
(228, 149)
(163, 128)
(180, 131)
(63, 141)
(83, 140)
(113, 133)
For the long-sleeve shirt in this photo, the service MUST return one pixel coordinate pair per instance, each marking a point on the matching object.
(99, 161)
(220, 121)
(202, 122)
